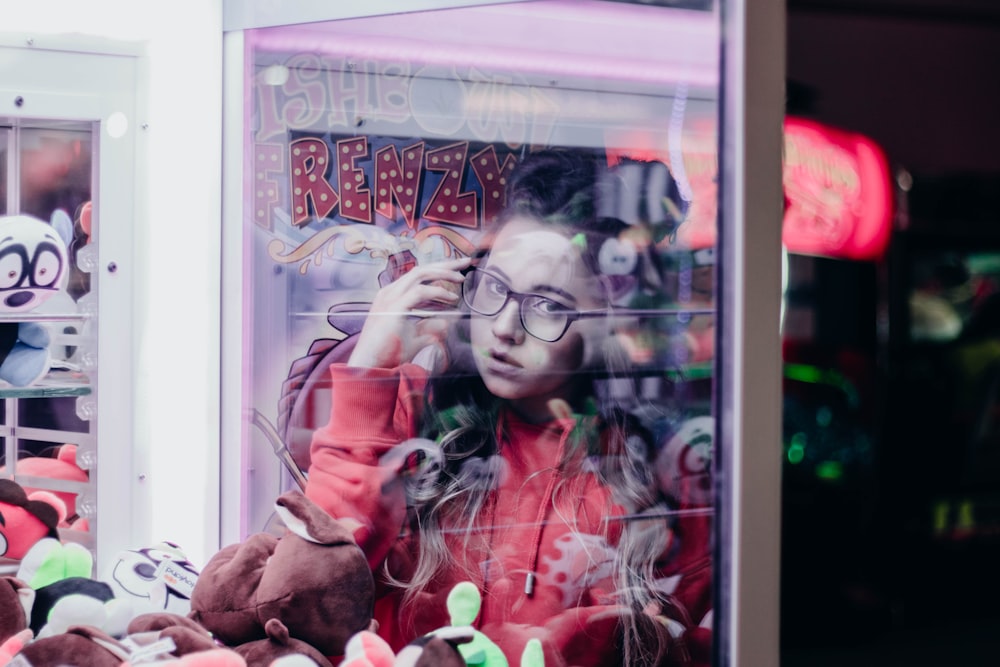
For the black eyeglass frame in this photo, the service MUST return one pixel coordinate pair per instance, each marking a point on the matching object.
(469, 295)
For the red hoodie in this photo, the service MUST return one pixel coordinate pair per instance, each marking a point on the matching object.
(563, 543)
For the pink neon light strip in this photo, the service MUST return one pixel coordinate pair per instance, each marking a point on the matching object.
(557, 38)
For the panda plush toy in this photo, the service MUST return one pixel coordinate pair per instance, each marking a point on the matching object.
(33, 265)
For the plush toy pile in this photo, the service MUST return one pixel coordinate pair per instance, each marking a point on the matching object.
(305, 599)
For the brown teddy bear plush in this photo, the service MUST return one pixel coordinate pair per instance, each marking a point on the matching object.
(278, 645)
(314, 580)
(16, 599)
(187, 636)
(80, 646)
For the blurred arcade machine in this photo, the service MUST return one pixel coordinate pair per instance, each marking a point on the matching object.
(941, 476)
(891, 405)
(840, 207)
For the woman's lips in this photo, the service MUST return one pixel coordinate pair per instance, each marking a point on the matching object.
(502, 364)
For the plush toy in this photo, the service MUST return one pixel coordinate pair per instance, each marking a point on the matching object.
(456, 645)
(164, 638)
(49, 561)
(152, 639)
(683, 466)
(23, 520)
(439, 649)
(63, 592)
(61, 466)
(188, 636)
(16, 599)
(33, 263)
(278, 644)
(367, 649)
(464, 602)
(13, 645)
(219, 657)
(314, 581)
(79, 646)
(78, 601)
(153, 579)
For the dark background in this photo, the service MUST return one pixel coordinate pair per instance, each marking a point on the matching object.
(865, 580)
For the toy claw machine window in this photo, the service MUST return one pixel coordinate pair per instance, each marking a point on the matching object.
(377, 148)
(46, 303)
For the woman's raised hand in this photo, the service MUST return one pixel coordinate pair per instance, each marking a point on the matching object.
(405, 315)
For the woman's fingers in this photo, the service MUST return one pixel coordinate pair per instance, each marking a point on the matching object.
(390, 335)
(435, 284)
(450, 271)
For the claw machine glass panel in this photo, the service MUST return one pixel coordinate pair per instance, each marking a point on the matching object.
(47, 306)
(478, 311)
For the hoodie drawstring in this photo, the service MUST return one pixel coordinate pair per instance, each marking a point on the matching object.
(543, 511)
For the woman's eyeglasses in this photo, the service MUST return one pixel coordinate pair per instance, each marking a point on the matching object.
(544, 318)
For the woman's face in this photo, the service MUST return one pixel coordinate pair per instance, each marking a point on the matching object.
(531, 257)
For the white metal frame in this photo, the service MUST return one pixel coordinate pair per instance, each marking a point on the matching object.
(174, 331)
(88, 80)
(242, 14)
(232, 481)
(749, 359)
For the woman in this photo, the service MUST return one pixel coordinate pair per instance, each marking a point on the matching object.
(528, 489)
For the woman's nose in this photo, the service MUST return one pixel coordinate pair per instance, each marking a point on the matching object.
(507, 323)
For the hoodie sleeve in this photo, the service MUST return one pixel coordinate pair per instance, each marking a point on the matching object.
(372, 411)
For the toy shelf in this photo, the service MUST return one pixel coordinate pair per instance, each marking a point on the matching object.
(49, 387)
(63, 382)
(44, 317)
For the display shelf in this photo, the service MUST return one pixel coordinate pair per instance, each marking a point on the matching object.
(43, 317)
(48, 388)
(51, 484)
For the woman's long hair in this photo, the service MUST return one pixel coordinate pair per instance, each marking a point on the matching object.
(462, 417)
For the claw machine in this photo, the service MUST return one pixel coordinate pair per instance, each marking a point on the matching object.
(552, 414)
(66, 197)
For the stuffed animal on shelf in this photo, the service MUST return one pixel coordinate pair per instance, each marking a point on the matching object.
(25, 520)
(313, 583)
(33, 264)
(61, 465)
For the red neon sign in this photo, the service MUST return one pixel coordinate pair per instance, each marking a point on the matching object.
(838, 193)
(838, 190)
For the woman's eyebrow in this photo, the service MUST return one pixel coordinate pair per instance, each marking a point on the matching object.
(554, 290)
(535, 289)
